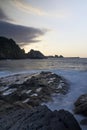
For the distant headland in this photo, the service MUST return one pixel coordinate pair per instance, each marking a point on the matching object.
(10, 50)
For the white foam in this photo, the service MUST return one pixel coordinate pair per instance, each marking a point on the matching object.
(26, 100)
(78, 86)
(34, 94)
(60, 86)
(3, 88)
(38, 89)
(7, 92)
(28, 91)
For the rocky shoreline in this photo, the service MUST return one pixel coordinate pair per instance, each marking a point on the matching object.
(21, 96)
(37, 118)
(32, 89)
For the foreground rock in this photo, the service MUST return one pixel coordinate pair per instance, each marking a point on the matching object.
(81, 105)
(81, 108)
(32, 90)
(38, 118)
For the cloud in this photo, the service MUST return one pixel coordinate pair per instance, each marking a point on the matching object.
(3, 17)
(29, 8)
(21, 34)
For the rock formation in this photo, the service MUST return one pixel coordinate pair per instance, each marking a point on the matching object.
(33, 54)
(34, 89)
(21, 97)
(10, 50)
(81, 105)
(81, 108)
(38, 118)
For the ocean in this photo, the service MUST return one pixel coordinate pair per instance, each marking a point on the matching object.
(72, 69)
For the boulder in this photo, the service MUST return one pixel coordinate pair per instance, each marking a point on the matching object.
(38, 118)
(81, 105)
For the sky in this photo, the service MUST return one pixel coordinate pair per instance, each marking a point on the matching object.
(55, 27)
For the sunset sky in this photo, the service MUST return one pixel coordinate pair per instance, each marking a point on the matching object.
(51, 26)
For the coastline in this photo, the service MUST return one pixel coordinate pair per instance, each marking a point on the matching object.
(13, 99)
(72, 70)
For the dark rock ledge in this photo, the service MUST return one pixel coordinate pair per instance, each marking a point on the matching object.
(37, 118)
(32, 90)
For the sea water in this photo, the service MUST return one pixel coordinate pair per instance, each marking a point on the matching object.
(72, 69)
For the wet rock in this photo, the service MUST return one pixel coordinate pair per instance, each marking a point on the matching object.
(84, 121)
(4, 106)
(81, 105)
(38, 118)
(12, 98)
(33, 102)
(34, 89)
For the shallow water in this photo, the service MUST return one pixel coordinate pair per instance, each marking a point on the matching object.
(74, 70)
(78, 86)
(28, 65)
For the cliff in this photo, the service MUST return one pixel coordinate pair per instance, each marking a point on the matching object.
(10, 50)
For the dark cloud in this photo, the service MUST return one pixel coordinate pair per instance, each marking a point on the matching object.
(20, 34)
